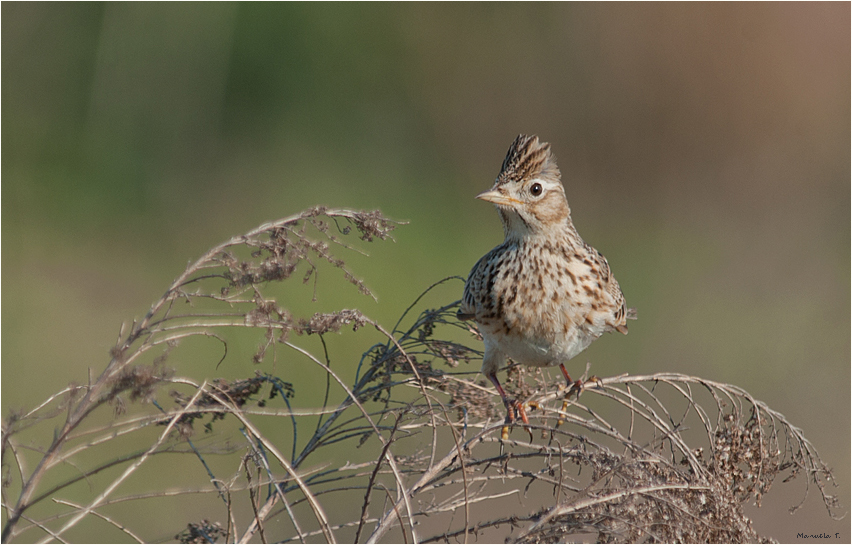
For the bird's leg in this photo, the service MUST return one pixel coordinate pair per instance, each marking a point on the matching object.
(573, 386)
(513, 408)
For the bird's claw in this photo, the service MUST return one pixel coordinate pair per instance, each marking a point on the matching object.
(516, 410)
(577, 387)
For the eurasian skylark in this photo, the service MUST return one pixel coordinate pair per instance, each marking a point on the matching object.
(543, 295)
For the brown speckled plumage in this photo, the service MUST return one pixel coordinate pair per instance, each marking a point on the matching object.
(543, 295)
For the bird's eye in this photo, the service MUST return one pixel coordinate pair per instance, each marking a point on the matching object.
(535, 190)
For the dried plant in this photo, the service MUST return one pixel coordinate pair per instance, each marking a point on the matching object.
(660, 458)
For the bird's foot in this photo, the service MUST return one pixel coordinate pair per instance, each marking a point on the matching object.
(516, 410)
(579, 385)
(577, 388)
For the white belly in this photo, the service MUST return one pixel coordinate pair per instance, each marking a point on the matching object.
(541, 352)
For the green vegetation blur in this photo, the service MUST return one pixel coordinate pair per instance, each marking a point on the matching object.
(705, 150)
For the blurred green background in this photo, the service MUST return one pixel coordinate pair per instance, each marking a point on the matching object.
(705, 150)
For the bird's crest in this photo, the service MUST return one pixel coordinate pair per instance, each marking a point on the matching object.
(526, 159)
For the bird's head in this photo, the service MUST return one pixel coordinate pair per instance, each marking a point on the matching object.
(528, 192)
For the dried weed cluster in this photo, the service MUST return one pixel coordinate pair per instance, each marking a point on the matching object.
(656, 458)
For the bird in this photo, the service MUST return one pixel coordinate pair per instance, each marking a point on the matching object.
(543, 295)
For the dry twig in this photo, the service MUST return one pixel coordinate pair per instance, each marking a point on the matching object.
(662, 457)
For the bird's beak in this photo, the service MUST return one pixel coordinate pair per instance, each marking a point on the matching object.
(496, 197)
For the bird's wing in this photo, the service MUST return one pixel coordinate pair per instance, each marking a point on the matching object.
(616, 311)
(477, 282)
